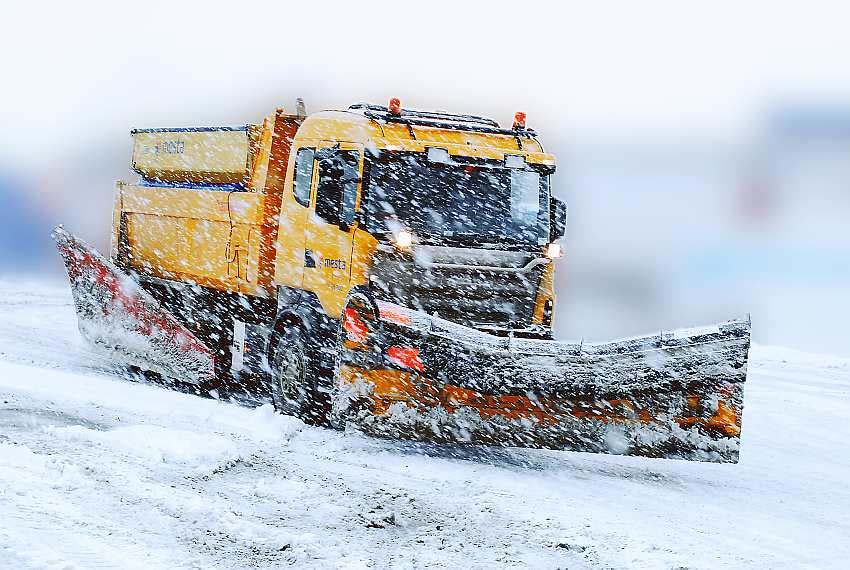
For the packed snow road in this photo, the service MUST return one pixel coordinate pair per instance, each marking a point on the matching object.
(98, 471)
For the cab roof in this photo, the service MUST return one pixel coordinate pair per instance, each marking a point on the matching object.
(467, 135)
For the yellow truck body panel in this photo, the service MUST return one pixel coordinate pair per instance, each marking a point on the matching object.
(208, 237)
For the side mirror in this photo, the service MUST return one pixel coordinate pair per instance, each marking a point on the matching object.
(557, 218)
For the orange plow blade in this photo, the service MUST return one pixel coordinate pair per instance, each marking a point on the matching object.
(676, 395)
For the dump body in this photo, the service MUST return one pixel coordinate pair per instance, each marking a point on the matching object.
(207, 236)
(207, 205)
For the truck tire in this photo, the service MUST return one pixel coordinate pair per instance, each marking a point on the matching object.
(289, 383)
(296, 378)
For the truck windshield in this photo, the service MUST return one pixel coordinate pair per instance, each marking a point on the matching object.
(470, 202)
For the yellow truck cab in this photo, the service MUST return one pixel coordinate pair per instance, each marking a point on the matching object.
(441, 213)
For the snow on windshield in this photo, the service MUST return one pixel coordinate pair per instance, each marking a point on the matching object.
(473, 201)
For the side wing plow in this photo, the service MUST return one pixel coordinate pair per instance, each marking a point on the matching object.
(115, 313)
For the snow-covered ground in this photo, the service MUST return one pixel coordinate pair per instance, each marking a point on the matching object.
(98, 471)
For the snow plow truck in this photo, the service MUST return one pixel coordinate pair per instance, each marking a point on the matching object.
(391, 270)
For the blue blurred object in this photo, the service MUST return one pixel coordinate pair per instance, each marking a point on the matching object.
(24, 229)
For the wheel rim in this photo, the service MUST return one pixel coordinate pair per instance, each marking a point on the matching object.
(291, 375)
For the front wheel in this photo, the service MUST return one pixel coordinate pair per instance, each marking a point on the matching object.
(289, 383)
(296, 378)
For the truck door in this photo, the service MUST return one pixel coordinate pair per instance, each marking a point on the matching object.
(329, 231)
(295, 210)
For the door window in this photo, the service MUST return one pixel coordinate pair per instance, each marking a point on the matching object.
(303, 175)
(336, 194)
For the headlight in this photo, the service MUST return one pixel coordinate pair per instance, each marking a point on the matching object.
(404, 239)
(553, 250)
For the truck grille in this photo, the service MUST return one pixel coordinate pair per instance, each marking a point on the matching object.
(467, 295)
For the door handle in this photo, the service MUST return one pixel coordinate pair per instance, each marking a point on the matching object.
(309, 258)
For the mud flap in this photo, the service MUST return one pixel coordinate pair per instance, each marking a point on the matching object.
(676, 395)
(115, 313)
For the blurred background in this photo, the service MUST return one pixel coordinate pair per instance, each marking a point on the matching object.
(704, 150)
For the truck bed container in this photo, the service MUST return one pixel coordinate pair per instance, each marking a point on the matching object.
(196, 155)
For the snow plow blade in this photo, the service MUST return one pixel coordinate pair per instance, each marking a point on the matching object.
(115, 313)
(676, 394)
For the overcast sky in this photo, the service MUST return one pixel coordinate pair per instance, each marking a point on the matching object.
(589, 69)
